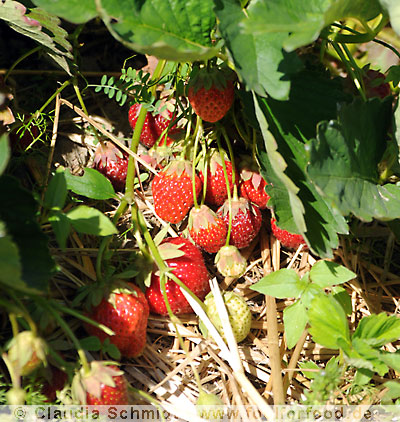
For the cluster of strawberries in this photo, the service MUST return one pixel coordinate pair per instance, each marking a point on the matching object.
(231, 206)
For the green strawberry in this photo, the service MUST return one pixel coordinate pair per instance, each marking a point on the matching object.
(238, 311)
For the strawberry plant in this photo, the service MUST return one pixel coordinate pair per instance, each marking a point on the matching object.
(149, 149)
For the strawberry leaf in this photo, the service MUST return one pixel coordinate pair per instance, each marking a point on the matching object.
(177, 30)
(328, 322)
(91, 221)
(295, 320)
(18, 210)
(76, 11)
(56, 192)
(344, 160)
(42, 27)
(327, 273)
(299, 207)
(254, 53)
(281, 284)
(299, 23)
(378, 330)
(61, 227)
(91, 184)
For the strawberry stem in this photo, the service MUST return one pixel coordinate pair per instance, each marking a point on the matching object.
(231, 155)
(198, 133)
(69, 333)
(130, 175)
(228, 189)
(175, 319)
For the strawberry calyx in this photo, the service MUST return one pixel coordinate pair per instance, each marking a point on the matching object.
(201, 218)
(106, 151)
(178, 168)
(210, 77)
(101, 374)
(237, 205)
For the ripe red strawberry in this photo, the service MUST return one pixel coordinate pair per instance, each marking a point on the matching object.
(23, 137)
(288, 240)
(125, 311)
(150, 131)
(102, 385)
(252, 188)
(211, 94)
(206, 229)
(111, 162)
(56, 382)
(246, 221)
(216, 191)
(173, 191)
(375, 85)
(187, 263)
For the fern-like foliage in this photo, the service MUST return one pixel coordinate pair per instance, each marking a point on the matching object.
(131, 84)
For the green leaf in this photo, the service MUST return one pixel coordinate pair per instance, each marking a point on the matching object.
(295, 320)
(305, 20)
(5, 152)
(91, 184)
(10, 263)
(178, 30)
(56, 193)
(391, 359)
(344, 160)
(393, 393)
(76, 11)
(342, 297)
(91, 221)
(42, 27)
(378, 329)
(18, 210)
(280, 284)
(91, 344)
(253, 54)
(328, 273)
(61, 227)
(393, 8)
(365, 356)
(322, 222)
(315, 369)
(285, 188)
(328, 322)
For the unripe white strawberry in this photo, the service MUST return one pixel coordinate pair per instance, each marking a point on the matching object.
(230, 262)
(238, 312)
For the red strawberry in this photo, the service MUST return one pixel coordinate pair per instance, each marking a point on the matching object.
(173, 192)
(288, 240)
(252, 188)
(150, 131)
(23, 137)
(216, 191)
(188, 265)
(102, 385)
(125, 311)
(210, 94)
(111, 162)
(375, 84)
(206, 229)
(246, 221)
(56, 382)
